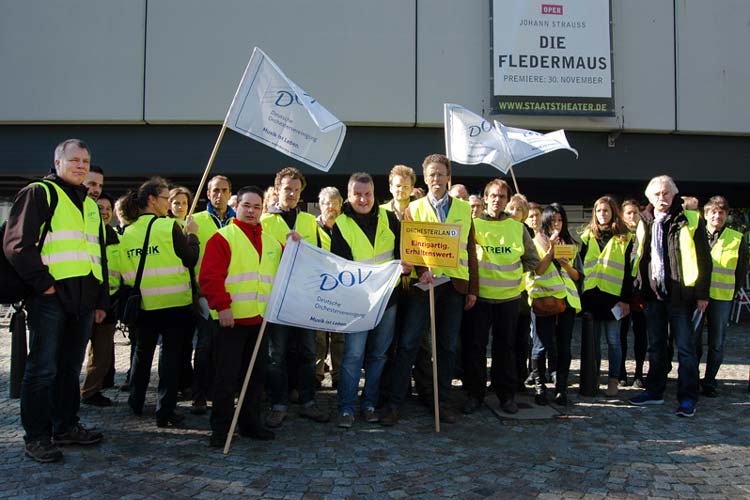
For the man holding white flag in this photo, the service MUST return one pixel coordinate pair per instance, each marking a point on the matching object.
(273, 110)
(364, 234)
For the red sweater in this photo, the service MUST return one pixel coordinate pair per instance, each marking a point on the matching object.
(214, 267)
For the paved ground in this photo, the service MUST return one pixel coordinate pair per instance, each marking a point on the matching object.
(599, 448)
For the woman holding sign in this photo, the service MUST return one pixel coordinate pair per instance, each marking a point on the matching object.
(554, 300)
(608, 283)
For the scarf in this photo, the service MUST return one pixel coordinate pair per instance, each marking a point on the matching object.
(440, 206)
(656, 267)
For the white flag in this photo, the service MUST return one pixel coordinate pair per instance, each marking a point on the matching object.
(470, 139)
(318, 290)
(526, 144)
(272, 109)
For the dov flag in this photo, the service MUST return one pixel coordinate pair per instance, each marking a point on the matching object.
(272, 109)
(318, 290)
(470, 139)
(526, 144)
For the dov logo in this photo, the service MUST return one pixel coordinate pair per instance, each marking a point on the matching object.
(475, 130)
(286, 98)
(344, 278)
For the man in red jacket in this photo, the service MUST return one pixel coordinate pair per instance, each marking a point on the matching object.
(236, 275)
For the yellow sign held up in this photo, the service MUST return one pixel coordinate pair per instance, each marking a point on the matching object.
(563, 251)
(430, 244)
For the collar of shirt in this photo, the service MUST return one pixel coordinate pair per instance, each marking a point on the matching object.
(441, 205)
(227, 217)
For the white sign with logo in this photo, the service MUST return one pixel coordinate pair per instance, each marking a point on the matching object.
(552, 57)
(272, 109)
(318, 290)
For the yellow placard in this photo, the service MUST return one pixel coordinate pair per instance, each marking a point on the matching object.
(563, 251)
(430, 244)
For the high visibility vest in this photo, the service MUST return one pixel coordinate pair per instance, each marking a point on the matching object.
(362, 249)
(71, 248)
(688, 257)
(207, 227)
(325, 239)
(249, 275)
(553, 283)
(165, 282)
(604, 269)
(459, 213)
(724, 255)
(113, 267)
(499, 251)
(306, 225)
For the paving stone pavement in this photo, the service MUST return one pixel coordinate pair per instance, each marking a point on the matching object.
(594, 448)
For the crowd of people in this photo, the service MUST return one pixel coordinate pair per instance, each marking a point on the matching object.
(198, 287)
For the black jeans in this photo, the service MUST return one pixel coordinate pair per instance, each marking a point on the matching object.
(557, 330)
(234, 348)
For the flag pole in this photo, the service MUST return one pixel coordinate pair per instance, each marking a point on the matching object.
(515, 182)
(208, 168)
(236, 417)
(435, 396)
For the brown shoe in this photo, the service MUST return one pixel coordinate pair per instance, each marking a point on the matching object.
(390, 417)
(275, 417)
(314, 413)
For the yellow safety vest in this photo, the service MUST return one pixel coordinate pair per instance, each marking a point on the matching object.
(604, 269)
(459, 213)
(206, 228)
(725, 254)
(113, 267)
(688, 257)
(71, 248)
(553, 283)
(165, 282)
(325, 239)
(249, 275)
(499, 251)
(362, 249)
(306, 225)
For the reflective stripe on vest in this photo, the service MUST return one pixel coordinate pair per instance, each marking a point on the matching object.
(604, 269)
(459, 213)
(553, 283)
(724, 255)
(306, 225)
(165, 282)
(362, 249)
(249, 276)
(499, 251)
(71, 248)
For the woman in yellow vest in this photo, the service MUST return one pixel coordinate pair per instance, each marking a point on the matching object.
(607, 285)
(166, 294)
(557, 279)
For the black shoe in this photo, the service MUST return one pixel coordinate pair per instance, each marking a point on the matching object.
(185, 394)
(390, 417)
(125, 387)
(471, 405)
(43, 451)
(97, 399)
(78, 434)
(529, 380)
(217, 440)
(447, 415)
(509, 406)
(710, 392)
(259, 434)
(173, 418)
(540, 398)
(200, 407)
(561, 399)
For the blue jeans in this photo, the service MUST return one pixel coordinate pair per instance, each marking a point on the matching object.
(717, 316)
(662, 317)
(277, 377)
(449, 305)
(611, 330)
(50, 397)
(374, 344)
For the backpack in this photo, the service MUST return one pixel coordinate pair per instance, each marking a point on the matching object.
(15, 289)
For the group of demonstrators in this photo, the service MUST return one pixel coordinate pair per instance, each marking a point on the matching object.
(521, 278)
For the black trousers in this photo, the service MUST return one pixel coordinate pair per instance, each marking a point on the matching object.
(501, 319)
(233, 348)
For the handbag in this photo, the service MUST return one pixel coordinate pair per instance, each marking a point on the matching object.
(132, 303)
(548, 306)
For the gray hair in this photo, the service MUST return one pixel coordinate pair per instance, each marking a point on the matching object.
(361, 177)
(660, 180)
(330, 192)
(60, 149)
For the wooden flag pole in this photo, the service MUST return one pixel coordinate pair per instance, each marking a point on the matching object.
(515, 183)
(244, 387)
(435, 396)
(208, 169)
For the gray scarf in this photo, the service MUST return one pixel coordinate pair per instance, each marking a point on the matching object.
(656, 267)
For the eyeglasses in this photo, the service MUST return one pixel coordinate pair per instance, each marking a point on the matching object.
(163, 197)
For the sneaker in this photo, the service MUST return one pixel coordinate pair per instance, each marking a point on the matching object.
(638, 383)
(275, 418)
(345, 420)
(370, 416)
(645, 398)
(98, 399)
(686, 408)
(217, 440)
(390, 417)
(78, 434)
(43, 451)
(314, 413)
